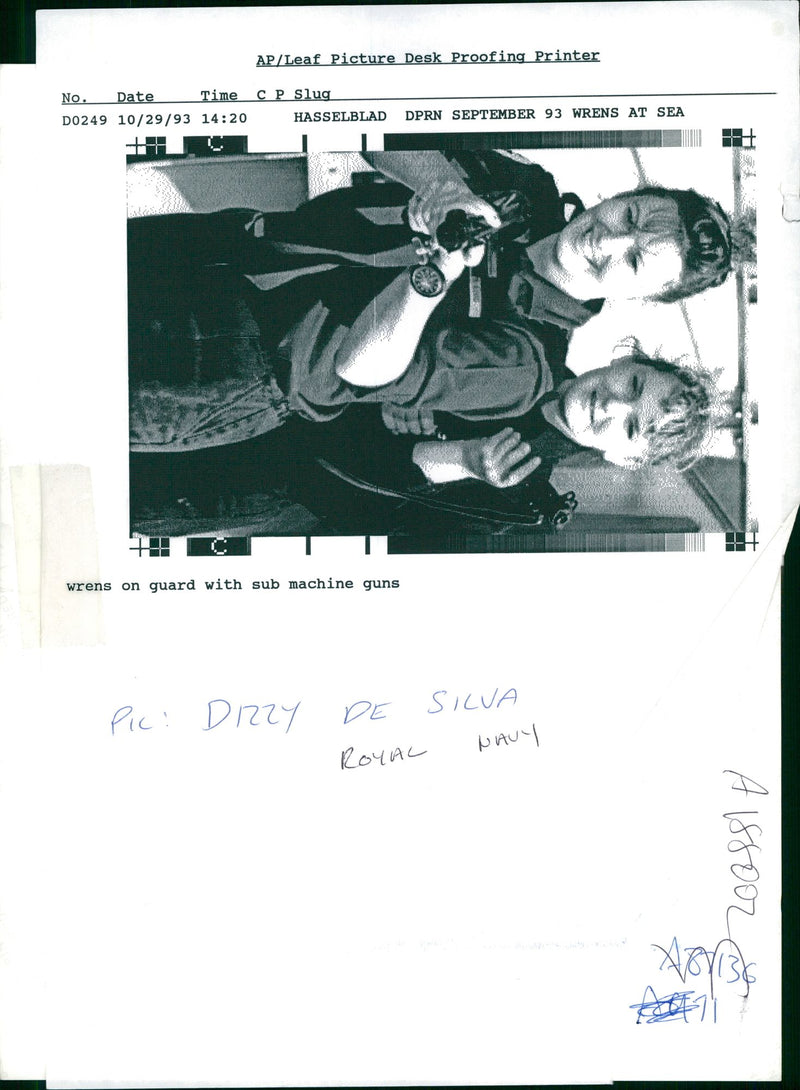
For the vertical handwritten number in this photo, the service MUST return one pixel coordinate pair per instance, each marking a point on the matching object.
(751, 897)
(736, 827)
(743, 866)
(734, 961)
(745, 873)
(750, 877)
(692, 965)
(754, 788)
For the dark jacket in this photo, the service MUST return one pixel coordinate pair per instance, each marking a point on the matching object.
(213, 299)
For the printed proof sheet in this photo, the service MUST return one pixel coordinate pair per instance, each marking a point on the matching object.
(399, 451)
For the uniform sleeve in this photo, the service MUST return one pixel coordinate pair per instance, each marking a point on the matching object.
(479, 369)
(483, 343)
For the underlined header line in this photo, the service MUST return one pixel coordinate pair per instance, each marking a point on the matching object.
(295, 102)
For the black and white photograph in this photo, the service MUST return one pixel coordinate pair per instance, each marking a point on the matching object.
(442, 347)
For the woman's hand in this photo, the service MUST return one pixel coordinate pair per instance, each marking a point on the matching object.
(431, 203)
(501, 460)
(453, 263)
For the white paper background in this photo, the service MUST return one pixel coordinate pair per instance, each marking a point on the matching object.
(231, 908)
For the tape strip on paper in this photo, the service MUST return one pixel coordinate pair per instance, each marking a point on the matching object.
(56, 544)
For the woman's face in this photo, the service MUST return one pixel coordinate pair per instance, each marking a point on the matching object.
(612, 409)
(626, 247)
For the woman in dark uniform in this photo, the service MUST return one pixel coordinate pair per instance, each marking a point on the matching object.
(242, 319)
